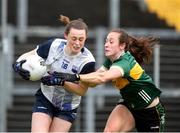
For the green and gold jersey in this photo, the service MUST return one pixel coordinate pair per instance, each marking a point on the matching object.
(136, 87)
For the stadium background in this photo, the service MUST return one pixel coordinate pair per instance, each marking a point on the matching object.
(25, 23)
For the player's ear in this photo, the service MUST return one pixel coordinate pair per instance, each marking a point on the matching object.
(65, 35)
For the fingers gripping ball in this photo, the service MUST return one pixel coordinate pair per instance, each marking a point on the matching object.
(17, 66)
(35, 65)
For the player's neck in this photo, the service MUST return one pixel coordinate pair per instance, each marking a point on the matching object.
(68, 52)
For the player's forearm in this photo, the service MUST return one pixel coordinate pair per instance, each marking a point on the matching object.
(94, 78)
(75, 88)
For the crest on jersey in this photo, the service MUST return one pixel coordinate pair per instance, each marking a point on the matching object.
(74, 69)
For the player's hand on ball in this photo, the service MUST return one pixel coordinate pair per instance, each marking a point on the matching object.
(52, 80)
(17, 66)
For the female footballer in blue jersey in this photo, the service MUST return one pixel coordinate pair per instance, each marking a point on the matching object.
(55, 108)
(140, 106)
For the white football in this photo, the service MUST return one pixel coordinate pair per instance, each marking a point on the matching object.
(36, 66)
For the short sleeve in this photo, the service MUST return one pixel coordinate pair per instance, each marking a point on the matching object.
(43, 48)
(88, 68)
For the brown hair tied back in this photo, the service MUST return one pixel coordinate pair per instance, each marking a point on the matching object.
(80, 19)
(141, 48)
(64, 19)
(76, 24)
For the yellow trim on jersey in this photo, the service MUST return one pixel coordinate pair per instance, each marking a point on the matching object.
(120, 83)
(136, 71)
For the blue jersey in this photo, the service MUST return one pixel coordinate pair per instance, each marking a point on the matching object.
(53, 51)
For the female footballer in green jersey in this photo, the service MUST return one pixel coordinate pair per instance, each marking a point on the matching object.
(141, 107)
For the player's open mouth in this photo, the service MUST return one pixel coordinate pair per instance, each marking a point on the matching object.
(76, 48)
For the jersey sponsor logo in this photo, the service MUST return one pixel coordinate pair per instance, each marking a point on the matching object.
(144, 96)
(66, 61)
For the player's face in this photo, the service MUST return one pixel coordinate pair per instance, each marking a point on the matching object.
(75, 40)
(112, 47)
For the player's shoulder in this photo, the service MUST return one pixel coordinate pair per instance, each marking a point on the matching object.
(87, 53)
(58, 43)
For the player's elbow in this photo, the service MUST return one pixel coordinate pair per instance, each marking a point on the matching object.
(79, 93)
(92, 85)
(82, 93)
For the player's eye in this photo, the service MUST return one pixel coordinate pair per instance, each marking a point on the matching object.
(74, 39)
(81, 39)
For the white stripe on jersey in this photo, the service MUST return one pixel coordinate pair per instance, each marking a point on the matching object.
(144, 96)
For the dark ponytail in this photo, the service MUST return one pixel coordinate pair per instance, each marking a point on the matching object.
(141, 48)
